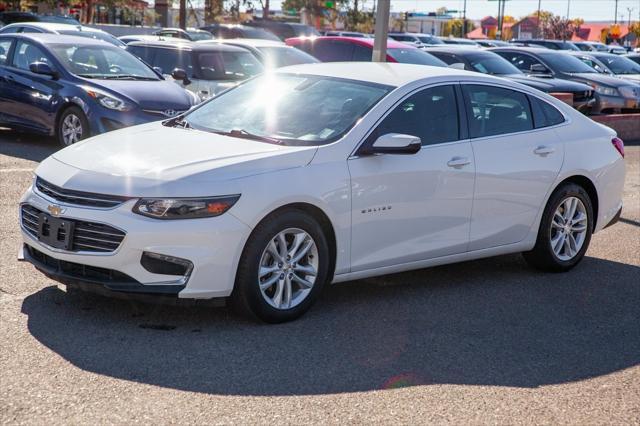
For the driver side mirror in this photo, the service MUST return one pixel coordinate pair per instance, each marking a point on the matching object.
(43, 69)
(395, 143)
(180, 74)
(539, 69)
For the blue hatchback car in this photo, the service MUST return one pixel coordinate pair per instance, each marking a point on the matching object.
(72, 87)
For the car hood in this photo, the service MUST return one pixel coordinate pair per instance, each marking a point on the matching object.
(630, 77)
(607, 80)
(157, 95)
(154, 160)
(547, 84)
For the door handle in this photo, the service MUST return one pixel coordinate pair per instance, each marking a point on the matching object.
(458, 162)
(544, 150)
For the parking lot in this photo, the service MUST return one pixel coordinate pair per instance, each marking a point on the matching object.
(488, 341)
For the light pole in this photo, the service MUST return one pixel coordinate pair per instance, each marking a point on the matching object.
(464, 20)
(539, 7)
(381, 31)
(615, 18)
(569, 6)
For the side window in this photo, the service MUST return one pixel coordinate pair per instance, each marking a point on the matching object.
(332, 51)
(362, 54)
(495, 111)
(10, 30)
(26, 53)
(5, 45)
(431, 114)
(521, 61)
(544, 114)
(30, 30)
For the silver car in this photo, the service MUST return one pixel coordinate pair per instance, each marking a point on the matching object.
(205, 69)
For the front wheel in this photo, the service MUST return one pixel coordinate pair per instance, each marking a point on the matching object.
(565, 230)
(283, 267)
(72, 126)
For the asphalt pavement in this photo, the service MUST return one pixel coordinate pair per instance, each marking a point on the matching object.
(488, 341)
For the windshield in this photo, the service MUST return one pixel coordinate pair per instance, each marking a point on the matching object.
(492, 64)
(620, 65)
(289, 109)
(102, 62)
(95, 35)
(276, 57)
(430, 40)
(200, 35)
(228, 65)
(567, 64)
(414, 56)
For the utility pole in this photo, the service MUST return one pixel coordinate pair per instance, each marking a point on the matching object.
(499, 30)
(183, 14)
(464, 20)
(539, 20)
(382, 31)
(569, 7)
(615, 18)
(630, 9)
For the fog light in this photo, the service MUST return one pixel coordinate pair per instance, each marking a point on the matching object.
(167, 265)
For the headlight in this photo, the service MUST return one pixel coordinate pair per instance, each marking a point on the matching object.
(605, 90)
(184, 208)
(107, 100)
(628, 92)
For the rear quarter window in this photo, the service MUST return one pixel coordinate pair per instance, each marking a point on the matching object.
(545, 114)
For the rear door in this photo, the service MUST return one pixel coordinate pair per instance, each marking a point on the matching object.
(407, 208)
(516, 164)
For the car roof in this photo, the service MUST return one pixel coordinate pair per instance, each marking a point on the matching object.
(464, 50)
(253, 42)
(391, 44)
(187, 45)
(527, 49)
(51, 39)
(54, 26)
(390, 74)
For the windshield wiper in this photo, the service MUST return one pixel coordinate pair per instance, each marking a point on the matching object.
(127, 77)
(241, 133)
(178, 121)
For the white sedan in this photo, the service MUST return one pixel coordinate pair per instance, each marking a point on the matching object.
(324, 173)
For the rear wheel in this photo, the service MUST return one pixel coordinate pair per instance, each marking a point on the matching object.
(72, 126)
(565, 230)
(283, 267)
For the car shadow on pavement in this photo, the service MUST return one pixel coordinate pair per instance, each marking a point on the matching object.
(487, 322)
(26, 146)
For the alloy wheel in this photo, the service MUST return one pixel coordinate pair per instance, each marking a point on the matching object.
(288, 268)
(71, 129)
(568, 228)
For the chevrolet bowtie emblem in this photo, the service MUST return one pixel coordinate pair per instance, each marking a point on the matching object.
(55, 209)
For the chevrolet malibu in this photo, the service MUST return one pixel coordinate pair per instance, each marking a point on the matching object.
(318, 174)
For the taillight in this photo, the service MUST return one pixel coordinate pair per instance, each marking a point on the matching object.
(619, 145)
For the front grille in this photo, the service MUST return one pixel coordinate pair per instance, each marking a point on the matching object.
(79, 271)
(86, 236)
(70, 196)
(167, 113)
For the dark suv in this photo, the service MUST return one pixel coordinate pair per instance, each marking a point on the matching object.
(284, 30)
(612, 93)
(238, 31)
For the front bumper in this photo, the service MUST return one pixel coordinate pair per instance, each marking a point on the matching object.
(616, 103)
(213, 245)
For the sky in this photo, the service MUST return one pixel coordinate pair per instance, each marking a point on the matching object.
(589, 10)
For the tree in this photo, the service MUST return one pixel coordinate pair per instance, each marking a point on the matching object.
(455, 28)
(558, 28)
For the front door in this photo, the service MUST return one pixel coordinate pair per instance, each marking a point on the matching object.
(407, 208)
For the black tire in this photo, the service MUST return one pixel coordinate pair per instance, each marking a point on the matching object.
(247, 297)
(82, 119)
(542, 256)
